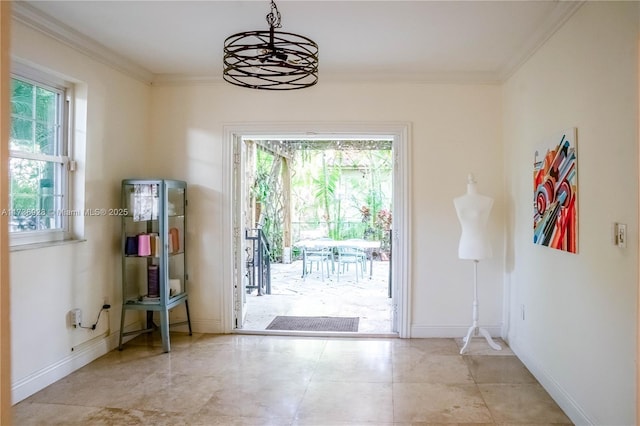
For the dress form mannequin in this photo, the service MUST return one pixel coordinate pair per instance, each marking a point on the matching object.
(473, 213)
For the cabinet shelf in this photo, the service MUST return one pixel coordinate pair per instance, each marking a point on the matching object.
(155, 219)
(155, 282)
(155, 304)
(137, 256)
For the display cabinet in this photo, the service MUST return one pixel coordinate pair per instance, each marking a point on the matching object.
(154, 255)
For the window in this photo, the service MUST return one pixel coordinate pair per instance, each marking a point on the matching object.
(38, 161)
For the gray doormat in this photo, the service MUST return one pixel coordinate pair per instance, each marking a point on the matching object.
(314, 323)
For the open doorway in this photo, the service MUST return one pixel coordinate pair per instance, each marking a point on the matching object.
(235, 301)
(318, 235)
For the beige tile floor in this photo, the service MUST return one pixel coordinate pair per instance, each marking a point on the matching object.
(290, 380)
(366, 297)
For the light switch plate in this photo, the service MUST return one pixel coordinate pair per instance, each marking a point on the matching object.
(621, 235)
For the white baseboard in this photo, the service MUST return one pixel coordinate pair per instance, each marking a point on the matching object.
(569, 405)
(82, 355)
(89, 351)
(199, 326)
(449, 331)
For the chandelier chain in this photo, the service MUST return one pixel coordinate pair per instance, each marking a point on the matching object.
(273, 17)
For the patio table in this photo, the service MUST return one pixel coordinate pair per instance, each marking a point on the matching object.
(367, 245)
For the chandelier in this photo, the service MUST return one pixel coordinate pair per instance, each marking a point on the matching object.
(270, 60)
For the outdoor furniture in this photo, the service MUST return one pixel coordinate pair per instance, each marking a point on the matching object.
(364, 245)
(319, 255)
(351, 255)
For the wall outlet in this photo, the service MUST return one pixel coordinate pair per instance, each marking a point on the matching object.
(76, 317)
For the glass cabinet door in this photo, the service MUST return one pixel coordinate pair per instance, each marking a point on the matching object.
(142, 243)
(176, 240)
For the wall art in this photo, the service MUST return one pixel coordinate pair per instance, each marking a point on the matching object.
(555, 186)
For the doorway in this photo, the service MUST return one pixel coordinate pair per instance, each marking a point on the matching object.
(317, 233)
(238, 176)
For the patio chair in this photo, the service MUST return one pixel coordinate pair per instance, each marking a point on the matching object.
(351, 255)
(321, 256)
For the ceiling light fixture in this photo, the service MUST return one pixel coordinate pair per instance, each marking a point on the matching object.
(270, 60)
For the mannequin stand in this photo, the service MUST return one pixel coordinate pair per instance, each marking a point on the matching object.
(474, 330)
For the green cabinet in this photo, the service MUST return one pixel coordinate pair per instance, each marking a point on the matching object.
(154, 255)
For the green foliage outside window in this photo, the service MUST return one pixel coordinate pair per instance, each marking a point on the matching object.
(335, 193)
(33, 143)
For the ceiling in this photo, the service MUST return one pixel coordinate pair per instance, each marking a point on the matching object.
(444, 41)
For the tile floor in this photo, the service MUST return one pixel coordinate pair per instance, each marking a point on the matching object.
(288, 380)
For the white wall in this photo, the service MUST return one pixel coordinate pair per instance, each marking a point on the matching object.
(579, 332)
(579, 328)
(456, 130)
(48, 282)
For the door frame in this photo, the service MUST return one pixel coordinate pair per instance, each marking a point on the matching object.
(399, 132)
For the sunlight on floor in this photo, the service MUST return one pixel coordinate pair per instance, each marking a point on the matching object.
(366, 298)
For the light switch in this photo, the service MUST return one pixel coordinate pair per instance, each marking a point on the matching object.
(621, 235)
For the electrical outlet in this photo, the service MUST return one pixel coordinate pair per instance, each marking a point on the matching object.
(76, 317)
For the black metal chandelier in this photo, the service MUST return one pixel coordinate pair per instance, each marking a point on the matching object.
(270, 60)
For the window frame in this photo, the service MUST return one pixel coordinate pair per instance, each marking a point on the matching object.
(64, 89)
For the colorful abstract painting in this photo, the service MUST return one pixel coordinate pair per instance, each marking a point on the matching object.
(555, 188)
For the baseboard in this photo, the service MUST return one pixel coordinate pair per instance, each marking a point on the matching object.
(449, 331)
(82, 355)
(569, 405)
(321, 334)
(198, 326)
(89, 351)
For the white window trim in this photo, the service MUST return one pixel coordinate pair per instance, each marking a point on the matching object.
(21, 240)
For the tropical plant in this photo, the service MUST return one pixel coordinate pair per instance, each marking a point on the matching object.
(33, 130)
(326, 184)
(262, 192)
(330, 188)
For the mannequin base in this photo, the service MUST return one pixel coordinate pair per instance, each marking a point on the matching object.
(473, 331)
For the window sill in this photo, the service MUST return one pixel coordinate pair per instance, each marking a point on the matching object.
(35, 246)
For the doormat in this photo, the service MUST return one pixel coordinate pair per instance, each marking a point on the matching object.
(314, 323)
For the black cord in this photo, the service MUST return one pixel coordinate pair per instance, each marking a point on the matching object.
(93, 327)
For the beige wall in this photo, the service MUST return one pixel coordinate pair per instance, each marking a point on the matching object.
(47, 283)
(456, 130)
(5, 329)
(579, 333)
(580, 326)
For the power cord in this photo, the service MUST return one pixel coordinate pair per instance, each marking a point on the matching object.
(93, 327)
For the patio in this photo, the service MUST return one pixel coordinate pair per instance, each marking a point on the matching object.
(366, 298)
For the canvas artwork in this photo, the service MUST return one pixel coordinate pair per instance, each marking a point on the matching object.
(555, 186)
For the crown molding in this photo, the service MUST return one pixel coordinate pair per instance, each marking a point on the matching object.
(488, 78)
(560, 14)
(33, 18)
(185, 79)
(442, 77)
